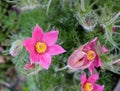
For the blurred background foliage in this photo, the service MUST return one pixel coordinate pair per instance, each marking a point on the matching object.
(78, 22)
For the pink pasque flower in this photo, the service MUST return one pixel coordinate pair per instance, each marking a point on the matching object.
(86, 57)
(90, 83)
(42, 46)
(29, 66)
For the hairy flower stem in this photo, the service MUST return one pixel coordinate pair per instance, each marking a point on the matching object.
(61, 68)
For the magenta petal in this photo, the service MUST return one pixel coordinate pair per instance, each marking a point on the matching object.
(55, 49)
(93, 43)
(91, 68)
(98, 87)
(37, 33)
(50, 37)
(97, 61)
(34, 57)
(83, 79)
(29, 44)
(93, 78)
(104, 49)
(45, 60)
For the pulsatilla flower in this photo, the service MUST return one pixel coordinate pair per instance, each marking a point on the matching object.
(90, 83)
(42, 46)
(86, 56)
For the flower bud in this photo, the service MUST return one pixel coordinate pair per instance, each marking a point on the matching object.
(29, 66)
(16, 48)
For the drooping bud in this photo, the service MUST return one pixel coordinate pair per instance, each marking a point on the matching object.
(29, 66)
(16, 48)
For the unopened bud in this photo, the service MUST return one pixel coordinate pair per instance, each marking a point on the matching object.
(29, 66)
(16, 48)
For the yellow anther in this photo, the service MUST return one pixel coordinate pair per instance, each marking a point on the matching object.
(40, 47)
(88, 87)
(91, 55)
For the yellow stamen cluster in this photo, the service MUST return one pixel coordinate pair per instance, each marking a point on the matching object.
(88, 87)
(91, 55)
(40, 47)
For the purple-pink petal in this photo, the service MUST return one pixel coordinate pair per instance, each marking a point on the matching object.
(105, 50)
(45, 60)
(83, 79)
(50, 38)
(93, 42)
(93, 78)
(91, 68)
(29, 44)
(98, 87)
(37, 33)
(97, 61)
(34, 57)
(55, 49)
(91, 45)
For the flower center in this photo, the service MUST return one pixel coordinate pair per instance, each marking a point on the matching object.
(88, 87)
(91, 55)
(40, 47)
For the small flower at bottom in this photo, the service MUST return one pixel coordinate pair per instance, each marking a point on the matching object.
(42, 46)
(86, 57)
(90, 83)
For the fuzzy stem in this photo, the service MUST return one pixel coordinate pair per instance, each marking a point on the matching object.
(83, 5)
(115, 61)
(48, 6)
(61, 68)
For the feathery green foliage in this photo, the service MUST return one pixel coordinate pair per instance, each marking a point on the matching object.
(78, 22)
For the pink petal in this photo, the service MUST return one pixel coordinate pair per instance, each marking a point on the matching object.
(45, 60)
(84, 66)
(97, 61)
(34, 57)
(91, 68)
(104, 49)
(93, 42)
(87, 48)
(55, 50)
(37, 33)
(93, 78)
(91, 45)
(83, 79)
(76, 59)
(29, 44)
(98, 87)
(50, 37)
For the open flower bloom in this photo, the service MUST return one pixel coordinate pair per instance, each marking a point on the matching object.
(42, 46)
(86, 57)
(90, 83)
